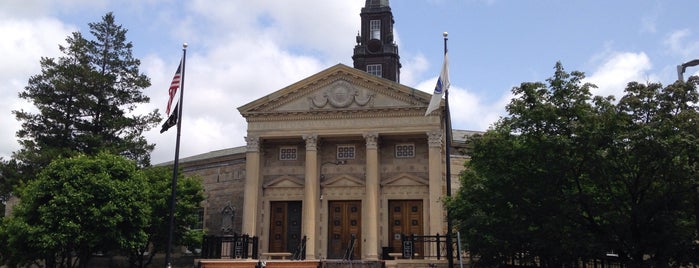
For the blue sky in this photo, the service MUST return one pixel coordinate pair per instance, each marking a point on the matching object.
(242, 50)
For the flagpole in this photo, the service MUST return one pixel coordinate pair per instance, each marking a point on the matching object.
(175, 167)
(447, 136)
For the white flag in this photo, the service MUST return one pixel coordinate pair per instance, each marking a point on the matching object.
(441, 87)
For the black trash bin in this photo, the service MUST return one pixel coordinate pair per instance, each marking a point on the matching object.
(385, 251)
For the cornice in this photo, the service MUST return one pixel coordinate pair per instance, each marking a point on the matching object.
(337, 114)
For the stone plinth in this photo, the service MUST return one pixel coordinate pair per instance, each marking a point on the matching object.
(250, 263)
(352, 264)
(224, 263)
(292, 264)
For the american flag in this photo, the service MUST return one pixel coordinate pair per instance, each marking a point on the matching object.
(174, 85)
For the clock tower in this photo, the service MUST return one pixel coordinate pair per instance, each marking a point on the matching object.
(376, 52)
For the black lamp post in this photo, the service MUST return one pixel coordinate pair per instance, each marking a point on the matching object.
(682, 67)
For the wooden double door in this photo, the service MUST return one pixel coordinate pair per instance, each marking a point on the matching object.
(405, 218)
(285, 226)
(344, 229)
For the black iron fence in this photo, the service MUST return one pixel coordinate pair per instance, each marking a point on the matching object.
(229, 247)
(426, 246)
(435, 247)
(525, 260)
(591, 263)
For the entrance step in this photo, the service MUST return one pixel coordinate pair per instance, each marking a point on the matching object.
(352, 264)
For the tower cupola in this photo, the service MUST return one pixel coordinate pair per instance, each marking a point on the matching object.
(376, 51)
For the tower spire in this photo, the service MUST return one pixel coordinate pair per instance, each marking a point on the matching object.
(376, 52)
(376, 3)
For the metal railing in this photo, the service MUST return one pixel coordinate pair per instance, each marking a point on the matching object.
(300, 251)
(426, 246)
(525, 260)
(229, 247)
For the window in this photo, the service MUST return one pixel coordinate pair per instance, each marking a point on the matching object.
(375, 28)
(287, 153)
(374, 69)
(405, 150)
(345, 152)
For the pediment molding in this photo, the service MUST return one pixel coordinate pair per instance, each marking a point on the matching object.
(284, 182)
(343, 180)
(404, 179)
(337, 89)
(341, 94)
(338, 114)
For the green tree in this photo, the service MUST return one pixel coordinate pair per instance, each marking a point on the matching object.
(76, 207)
(644, 185)
(85, 103)
(568, 176)
(190, 194)
(8, 169)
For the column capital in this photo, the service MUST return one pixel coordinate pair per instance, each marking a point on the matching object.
(253, 143)
(311, 141)
(372, 140)
(434, 138)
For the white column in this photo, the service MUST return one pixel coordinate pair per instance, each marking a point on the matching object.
(371, 201)
(311, 196)
(436, 167)
(251, 201)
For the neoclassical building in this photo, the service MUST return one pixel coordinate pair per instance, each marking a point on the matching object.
(344, 154)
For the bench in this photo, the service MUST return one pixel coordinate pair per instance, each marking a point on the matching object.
(282, 255)
(398, 255)
(395, 255)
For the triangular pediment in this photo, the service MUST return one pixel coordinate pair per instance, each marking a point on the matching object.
(284, 182)
(338, 88)
(404, 179)
(343, 181)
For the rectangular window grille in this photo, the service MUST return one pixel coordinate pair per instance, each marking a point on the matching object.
(287, 153)
(375, 28)
(405, 150)
(374, 69)
(345, 152)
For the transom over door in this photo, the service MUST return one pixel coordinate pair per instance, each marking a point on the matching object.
(405, 217)
(344, 222)
(285, 226)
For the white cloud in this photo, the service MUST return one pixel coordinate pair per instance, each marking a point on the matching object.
(470, 111)
(649, 20)
(617, 70)
(41, 8)
(216, 84)
(263, 55)
(413, 67)
(680, 43)
(294, 25)
(649, 24)
(24, 43)
(675, 41)
(249, 49)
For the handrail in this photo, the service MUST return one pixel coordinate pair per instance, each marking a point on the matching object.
(229, 246)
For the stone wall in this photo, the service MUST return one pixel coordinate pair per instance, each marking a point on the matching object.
(223, 178)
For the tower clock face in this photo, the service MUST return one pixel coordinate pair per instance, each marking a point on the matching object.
(374, 45)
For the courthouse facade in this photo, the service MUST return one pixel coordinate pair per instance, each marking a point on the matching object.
(345, 154)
